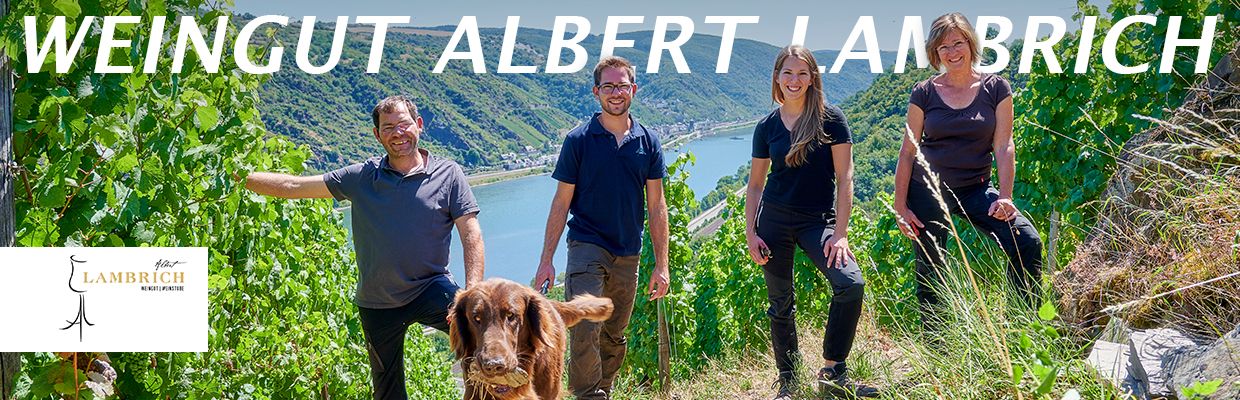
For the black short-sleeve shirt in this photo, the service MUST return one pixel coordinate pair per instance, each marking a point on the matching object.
(609, 200)
(810, 187)
(959, 143)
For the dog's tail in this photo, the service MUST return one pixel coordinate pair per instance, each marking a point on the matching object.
(584, 307)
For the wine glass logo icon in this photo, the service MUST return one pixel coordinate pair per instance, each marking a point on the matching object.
(80, 321)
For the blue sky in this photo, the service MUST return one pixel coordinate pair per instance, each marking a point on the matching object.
(829, 24)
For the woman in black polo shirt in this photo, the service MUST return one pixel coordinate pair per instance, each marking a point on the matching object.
(806, 146)
(961, 121)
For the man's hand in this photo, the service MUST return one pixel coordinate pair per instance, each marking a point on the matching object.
(658, 282)
(544, 279)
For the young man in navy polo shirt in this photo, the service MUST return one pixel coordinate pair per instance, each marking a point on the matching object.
(405, 205)
(606, 166)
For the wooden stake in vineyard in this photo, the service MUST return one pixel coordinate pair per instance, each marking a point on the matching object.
(665, 349)
(10, 363)
(1052, 250)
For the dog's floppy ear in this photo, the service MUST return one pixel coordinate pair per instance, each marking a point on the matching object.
(536, 320)
(460, 335)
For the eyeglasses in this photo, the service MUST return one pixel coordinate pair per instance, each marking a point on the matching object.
(402, 127)
(960, 44)
(608, 88)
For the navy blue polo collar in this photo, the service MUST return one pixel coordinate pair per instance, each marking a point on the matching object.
(596, 127)
(428, 164)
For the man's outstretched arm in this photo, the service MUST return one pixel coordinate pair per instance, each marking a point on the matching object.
(287, 186)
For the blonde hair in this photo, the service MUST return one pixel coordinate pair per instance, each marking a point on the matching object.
(807, 133)
(938, 30)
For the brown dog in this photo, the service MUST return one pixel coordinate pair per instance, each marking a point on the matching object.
(511, 341)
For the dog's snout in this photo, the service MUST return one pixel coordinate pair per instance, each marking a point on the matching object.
(493, 365)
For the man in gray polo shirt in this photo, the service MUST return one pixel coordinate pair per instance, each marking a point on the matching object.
(404, 207)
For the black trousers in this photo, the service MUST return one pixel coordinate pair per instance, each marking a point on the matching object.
(1018, 239)
(385, 335)
(783, 229)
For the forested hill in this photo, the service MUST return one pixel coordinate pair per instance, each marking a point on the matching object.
(876, 117)
(475, 118)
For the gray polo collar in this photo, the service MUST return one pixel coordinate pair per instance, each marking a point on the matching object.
(429, 163)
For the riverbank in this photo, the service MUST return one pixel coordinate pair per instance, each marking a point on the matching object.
(514, 210)
(492, 177)
(711, 131)
(488, 178)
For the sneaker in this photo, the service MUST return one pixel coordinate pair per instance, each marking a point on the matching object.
(785, 389)
(834, 382)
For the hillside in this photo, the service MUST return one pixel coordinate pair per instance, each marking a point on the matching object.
(1182, 176)
(876, 117)
(476, 118)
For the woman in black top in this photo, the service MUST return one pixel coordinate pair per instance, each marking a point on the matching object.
(961, 121)
(806, 146)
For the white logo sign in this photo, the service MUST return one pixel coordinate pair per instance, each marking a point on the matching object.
(103, 299)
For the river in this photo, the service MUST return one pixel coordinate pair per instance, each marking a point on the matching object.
(514, 213)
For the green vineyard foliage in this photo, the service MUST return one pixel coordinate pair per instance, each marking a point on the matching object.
(1068, 136)
(148, 160)
(1070, 128)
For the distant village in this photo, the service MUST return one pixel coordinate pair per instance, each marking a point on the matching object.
(528, 157)
(531, 156)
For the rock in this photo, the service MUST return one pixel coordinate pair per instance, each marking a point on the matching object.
(1216, 361)
(1147, 351)
(1111, 361)
(1161, 363)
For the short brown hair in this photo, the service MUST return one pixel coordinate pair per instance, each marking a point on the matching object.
(941, 26)
(389, 104)
(614, 62)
